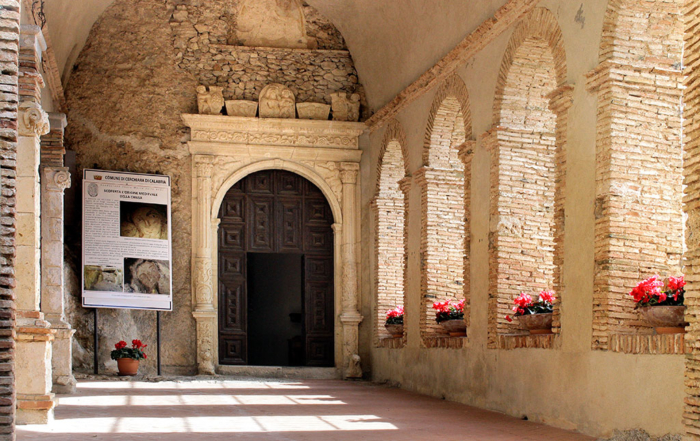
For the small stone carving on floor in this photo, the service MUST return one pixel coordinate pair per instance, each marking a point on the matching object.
(345, 108)
(210, 102)
(277, 101)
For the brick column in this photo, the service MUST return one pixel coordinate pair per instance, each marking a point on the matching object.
(9, 100)
(691, 200)
(34, 335)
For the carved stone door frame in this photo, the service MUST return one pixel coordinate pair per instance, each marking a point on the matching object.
(225, 149)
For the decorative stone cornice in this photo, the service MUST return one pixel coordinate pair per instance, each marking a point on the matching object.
(57, 178)
(32, 119)
(274, 131)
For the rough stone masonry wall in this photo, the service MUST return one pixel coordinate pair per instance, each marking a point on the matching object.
(201, 38)
(9, 99)
(129, 86)
(639, 222)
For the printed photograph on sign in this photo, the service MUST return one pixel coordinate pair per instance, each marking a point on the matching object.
(144, 220)
(147, 276)
(103, 278)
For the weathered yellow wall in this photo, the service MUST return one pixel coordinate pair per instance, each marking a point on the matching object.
(573, 387)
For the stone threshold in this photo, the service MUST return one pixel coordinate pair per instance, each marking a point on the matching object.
(296, 373)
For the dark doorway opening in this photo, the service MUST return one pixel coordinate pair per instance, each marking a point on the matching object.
(275, 238)
(275, 309)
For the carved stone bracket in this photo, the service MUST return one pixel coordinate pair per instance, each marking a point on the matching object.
(32, 120)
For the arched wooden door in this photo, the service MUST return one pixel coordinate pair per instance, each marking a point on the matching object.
(269, 213)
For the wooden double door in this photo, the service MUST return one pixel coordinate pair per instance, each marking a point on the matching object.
(271, 212)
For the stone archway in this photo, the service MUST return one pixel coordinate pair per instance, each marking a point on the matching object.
(225, 149)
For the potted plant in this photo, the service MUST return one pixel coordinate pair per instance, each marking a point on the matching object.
(662, 309)
(394, 322)
(536, 317)
(128, 358)
(450, 315)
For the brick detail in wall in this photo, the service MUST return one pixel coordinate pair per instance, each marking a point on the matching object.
(528, 170)
(390, 208)
(52, 148)
(639, 166)
(9, 101)
(442, 182)
(691, 200)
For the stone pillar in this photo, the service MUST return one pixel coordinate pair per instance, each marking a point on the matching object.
(34, 335)
(54, 181)
(350, 316)
(204, 312)
(9, 99)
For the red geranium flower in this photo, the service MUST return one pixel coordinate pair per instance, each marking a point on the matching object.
(120, 345)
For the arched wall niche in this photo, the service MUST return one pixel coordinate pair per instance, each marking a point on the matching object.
(390, 214)
(528, 171)
(225, 149)
(444, 180)
(638, 84)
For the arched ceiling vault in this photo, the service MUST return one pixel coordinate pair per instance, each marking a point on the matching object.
(391, 42)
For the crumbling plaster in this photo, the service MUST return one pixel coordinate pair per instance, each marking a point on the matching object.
(573, 387)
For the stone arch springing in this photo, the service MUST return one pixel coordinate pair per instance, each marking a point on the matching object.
(390, 208)
(444, 180)
(639, 166)
(528, 169)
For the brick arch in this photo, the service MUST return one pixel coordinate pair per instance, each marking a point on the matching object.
(639, 89)
(390, 208)
(444, 181)
(449, 123)
(537, 34)
(393, 135)
(528, 175)
(657, 41)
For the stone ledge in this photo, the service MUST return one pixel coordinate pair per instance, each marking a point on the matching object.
(647, 343)
(541, 341)
(391, 342)
(445, 342)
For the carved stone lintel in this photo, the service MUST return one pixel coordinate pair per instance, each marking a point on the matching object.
(32, 120)
(277, 101)
(210, 102)
(345, 108)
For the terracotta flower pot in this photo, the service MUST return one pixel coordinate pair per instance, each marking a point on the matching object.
(127, 366)
(395, 330)
(455, 327)
(665, 319)
(536, 323)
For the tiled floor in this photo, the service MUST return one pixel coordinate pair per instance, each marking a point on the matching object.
(289, 410)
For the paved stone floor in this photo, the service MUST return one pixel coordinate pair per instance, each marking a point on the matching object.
(273, 410)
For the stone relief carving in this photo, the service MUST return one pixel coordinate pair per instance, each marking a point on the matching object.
(330, 172)
(277, 101)
(205, 346)
(203, 282)
(271, 23)
(510, 226)
(274, 139)
(210, 102)
(345, 108)
(313, 111)
(32, 119)
(354, 367)
(241, 108)
(57, 179)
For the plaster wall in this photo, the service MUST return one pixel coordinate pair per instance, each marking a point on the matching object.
(571, 386)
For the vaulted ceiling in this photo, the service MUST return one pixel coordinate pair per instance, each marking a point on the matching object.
(392, 42)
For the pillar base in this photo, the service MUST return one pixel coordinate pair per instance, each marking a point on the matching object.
(35, 402)
(35, 409)
(62, 360)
